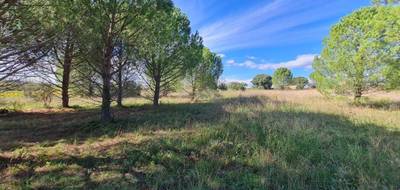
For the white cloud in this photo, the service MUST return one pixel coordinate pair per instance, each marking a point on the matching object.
(229, 80)
(231, 62)
(221, 55)
(302, 61)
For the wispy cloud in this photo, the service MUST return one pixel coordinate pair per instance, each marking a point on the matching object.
(272, 23)
(302, 61)
(248, 32)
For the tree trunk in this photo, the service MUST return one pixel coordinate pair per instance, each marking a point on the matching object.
(120, 88)
(106, 94)
(90, 89)
(359, 81)
(156, 97)
(358, 92)
(66, 74)
(106, 73)
(193, 86)
(193, 91)
(65, 85)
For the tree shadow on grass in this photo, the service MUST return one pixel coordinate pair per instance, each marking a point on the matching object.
(27, 129)
(379, 104)
(243, 147)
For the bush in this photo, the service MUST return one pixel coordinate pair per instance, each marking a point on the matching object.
(262, 81)
(223, 87)
(29, 89)
(132, 89)
(237, 86)
(3, 111)
(40, 92)
(300, 82)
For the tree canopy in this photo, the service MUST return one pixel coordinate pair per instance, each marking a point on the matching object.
(300, 82)
(98, 48)
(204, 70)
(282, 78)
(24, 39)
(361, 52)
(163, 52)
(262, 81)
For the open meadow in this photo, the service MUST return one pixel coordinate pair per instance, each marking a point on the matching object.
(198, 95)
(255, 139)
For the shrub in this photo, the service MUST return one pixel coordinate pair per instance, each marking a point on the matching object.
(40, 92)
(300, 82)
(262, 81)
(237, 86)
(132, 89)
(222, 86)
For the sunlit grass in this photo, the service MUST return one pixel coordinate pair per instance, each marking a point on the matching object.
(242, 140)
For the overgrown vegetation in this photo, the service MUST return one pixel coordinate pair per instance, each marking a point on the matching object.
(259, 140)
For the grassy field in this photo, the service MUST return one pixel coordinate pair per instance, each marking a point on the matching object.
(241, 140)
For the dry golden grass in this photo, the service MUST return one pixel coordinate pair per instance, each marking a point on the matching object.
(313, 101)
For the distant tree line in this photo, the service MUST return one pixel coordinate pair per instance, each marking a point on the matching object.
(103, 48)
(281, 79)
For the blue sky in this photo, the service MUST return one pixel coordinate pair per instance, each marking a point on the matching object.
(258, 36)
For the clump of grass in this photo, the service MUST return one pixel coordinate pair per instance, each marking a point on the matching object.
(385, 104)
(18, 170)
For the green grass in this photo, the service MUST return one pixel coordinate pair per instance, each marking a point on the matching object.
(243, 140)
